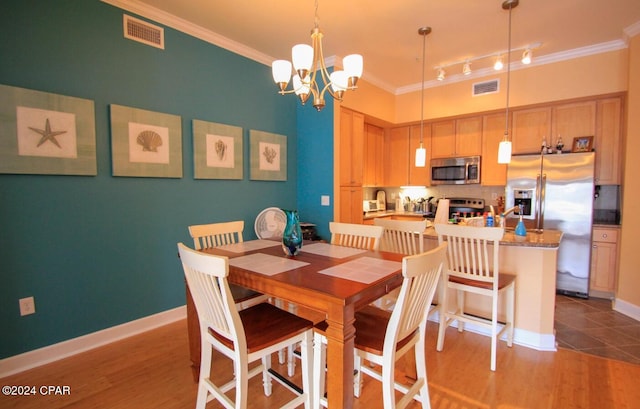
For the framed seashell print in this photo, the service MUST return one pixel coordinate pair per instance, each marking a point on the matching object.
(46, 134)
(268, 156)
(145, 143)
(217, 151)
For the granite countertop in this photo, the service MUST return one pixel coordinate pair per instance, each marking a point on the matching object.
(547, 239)
(386, 213)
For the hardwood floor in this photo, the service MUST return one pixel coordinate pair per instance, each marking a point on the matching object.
(152, 370)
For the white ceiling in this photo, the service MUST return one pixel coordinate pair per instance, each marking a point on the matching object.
(385, 32)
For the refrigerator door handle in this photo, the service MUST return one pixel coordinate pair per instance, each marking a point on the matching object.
(543, 188)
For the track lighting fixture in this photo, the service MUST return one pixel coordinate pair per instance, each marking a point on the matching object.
(497, 58)
(498, 65)
(466, 68)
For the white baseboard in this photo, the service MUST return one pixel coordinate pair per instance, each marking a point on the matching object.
(627, 308)
(528, 339)
(51, 353)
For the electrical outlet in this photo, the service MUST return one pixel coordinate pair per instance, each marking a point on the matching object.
(324, 200)
(27, 306)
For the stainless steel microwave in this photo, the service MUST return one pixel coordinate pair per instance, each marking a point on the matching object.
(455, 171)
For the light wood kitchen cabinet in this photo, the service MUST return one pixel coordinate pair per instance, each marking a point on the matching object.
(608, 141)
(373, 171)
(529, 128)
(351, 204)
(570, 121)
(397, 157)
(419, 176)
(400, 151)
(455, 138)
(351, 147)
(492, 173)
(604, 262)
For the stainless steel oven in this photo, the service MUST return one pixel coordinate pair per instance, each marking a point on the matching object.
(455, 171)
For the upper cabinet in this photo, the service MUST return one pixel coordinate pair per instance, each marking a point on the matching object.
(351, 147)
(397, 157)
(608, 141)
(400, 160)
(491, 172)
(373, 171)
(530, 127)
(454, 138)
(570, 121)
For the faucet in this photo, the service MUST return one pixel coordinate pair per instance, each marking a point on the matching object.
(518, 208)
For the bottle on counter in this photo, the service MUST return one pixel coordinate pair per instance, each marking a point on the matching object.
(489, 220)
(520, 229)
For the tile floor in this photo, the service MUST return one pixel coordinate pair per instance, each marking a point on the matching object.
(591, 326)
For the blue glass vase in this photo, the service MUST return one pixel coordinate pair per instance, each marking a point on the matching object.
(292, 235)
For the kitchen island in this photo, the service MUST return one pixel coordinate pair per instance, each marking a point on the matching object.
(534, 262)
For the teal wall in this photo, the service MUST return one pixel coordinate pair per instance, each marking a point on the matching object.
(101, 251)
(315, 167)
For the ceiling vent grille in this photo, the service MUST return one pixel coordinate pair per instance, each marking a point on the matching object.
(487, 87)
(143, 32)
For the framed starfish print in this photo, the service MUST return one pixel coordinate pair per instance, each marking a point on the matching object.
(44, 133)
(145, 143)
(268, 156)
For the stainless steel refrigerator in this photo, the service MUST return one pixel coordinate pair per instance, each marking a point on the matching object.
(556, 192)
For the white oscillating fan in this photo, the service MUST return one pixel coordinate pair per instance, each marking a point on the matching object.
(270, 223)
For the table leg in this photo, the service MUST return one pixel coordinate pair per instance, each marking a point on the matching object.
(340, 340)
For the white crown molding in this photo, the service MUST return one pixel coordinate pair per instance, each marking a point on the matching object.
(632, 31)
(51, 353)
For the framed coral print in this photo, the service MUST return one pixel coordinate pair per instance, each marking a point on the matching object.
(145, 143)
(217, 151)
(582, 144)
(46, 134)
(268, 156)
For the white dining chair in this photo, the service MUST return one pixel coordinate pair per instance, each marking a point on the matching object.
(383, 337)
(473, 261)
(399, 236)
(244, 337)
(360, 236)
(219, 234)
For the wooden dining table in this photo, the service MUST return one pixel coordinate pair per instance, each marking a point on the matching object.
(334, 280)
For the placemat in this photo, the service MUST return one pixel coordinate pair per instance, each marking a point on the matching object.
(364, 270)
(266, 264)
(249, 245)
(330, 250)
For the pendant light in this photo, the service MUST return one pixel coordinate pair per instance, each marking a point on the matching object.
(504, 149)
(421, 152)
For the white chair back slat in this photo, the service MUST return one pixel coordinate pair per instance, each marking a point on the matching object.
(421, 273)
(216, 234)
(470, 255)
(206, 275)
(360, 236)
(402, 236)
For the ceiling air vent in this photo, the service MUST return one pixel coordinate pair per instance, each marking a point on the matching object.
(143, 32)
(487, 87)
